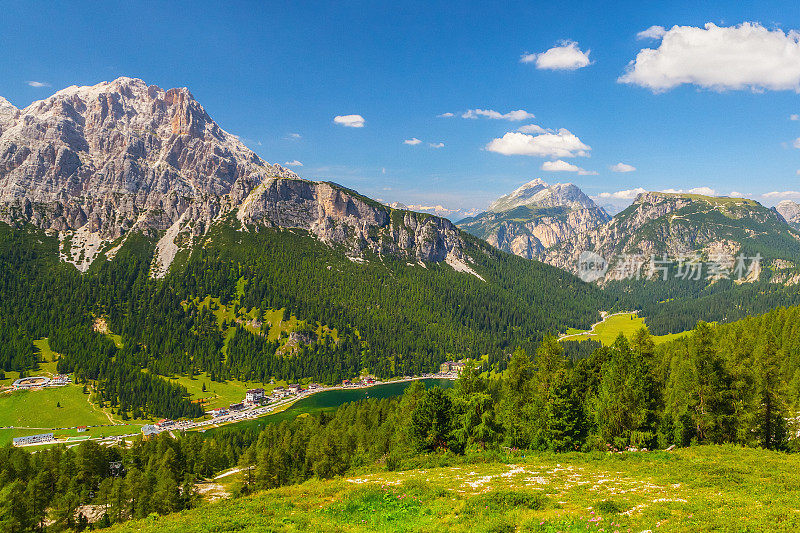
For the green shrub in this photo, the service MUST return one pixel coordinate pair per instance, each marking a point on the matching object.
(608, 507)
(505, 500)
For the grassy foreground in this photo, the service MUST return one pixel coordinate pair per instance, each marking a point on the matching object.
(696, 489)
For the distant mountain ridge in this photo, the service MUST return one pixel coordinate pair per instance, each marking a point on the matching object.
(536, 217)
(438, 210)
(557, 223)
(675, 224)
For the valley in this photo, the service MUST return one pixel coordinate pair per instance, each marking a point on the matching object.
(482, 375)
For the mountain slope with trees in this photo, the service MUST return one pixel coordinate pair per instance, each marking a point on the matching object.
(392, 317)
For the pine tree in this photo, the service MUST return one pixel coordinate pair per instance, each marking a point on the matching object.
(432, 421)
(515, 405)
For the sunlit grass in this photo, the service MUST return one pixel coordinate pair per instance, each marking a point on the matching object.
(695, 489)
(608, 330)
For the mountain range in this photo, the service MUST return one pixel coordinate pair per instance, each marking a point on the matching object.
(94, 164)
(557, 223)
(127, 204)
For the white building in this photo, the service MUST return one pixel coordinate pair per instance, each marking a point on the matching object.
(254, 395)
(33, 439)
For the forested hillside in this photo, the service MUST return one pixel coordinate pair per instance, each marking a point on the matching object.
(675, 305)
(391, 317)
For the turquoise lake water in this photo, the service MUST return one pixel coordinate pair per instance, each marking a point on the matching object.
(330, 400)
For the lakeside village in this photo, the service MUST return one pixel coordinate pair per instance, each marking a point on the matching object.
(256, 403)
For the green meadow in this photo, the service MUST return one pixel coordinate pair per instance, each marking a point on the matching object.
(704, 488)
(609, 329)
(42, 411)
(219, 394)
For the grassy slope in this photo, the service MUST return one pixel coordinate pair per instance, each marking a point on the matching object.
(702, 488)
(219, 394)
(608, 331)
(37, 409)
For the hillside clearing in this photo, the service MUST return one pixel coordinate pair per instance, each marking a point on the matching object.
(607, 330)
(43, 411)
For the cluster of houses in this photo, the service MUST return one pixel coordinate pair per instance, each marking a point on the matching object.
(363, 381)
(258, 396)
(451, 367)
(164, 424)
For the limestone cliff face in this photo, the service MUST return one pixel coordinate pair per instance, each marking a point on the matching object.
(336, 215)
(536, 217)
(95, 163)
(121, 155)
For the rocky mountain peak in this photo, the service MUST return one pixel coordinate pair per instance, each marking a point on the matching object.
(519, 196)
(95, 163)
(790, 211)
(538, 193)
(119, 155)
(8, 113)
(536, 217)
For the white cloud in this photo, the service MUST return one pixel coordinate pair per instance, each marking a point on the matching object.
(629, 194)
(532, 128)
(350, 121)
(796, 143)
(294, 136)
(559, 144)
(562, 166)
(412, 141)
(622, 167)
(794, 117)
(705, 191)
(798, 172)
(566, 56)
(294, 163)
(782, 194)
(653, 32)
(720, 58)
(436, 145)
(519, 114)
(559, 166)
(38, 84)
(446, 115)
(736, 194)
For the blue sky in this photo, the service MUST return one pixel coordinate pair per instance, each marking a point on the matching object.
(267, 70)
